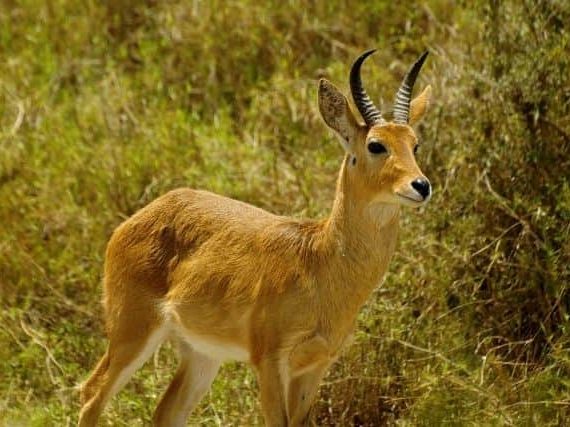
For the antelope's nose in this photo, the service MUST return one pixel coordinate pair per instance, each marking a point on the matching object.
(422, 186)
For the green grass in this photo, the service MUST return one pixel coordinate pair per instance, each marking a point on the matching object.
(106, 105)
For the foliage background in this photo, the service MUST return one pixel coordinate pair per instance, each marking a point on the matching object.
(106, 105)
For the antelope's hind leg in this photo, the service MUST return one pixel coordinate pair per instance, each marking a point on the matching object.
(128, 350)
(191, 382)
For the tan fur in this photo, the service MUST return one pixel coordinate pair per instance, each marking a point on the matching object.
(420, 105)
(225, 279)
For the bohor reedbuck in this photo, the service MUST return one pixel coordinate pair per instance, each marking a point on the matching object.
(225, 280)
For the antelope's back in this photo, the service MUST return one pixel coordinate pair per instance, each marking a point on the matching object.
(176, 227)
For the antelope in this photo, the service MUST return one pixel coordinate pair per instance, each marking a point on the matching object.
(225, 280)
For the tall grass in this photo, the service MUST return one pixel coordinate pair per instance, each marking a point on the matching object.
(106, 105)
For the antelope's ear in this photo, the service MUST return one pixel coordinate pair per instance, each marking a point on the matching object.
(419, 106)
(336, 113)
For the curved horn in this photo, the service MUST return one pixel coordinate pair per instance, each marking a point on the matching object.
(402, 104)
(368, 110)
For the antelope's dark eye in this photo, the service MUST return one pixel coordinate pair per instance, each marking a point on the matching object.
(376, 147)
(416, 147)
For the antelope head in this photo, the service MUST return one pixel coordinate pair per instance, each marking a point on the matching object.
(380, 163)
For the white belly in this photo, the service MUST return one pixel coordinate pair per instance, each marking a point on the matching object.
(214, 349)
(208, 346)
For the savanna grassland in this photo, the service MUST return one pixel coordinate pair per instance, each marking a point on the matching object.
(106, 105)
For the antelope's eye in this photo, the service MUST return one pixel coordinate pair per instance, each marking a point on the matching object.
(376, 147)
(416, 147)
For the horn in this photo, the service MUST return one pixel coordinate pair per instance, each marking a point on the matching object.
(402, 104)
(368, 110)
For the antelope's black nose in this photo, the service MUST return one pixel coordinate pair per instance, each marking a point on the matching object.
(422, 186)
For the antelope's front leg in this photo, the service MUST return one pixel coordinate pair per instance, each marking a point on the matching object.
(308, 364)
(271, 392)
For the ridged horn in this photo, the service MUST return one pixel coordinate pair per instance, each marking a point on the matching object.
(404, 94)
(368, 110)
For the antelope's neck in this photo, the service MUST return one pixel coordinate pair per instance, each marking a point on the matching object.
(364, 238)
